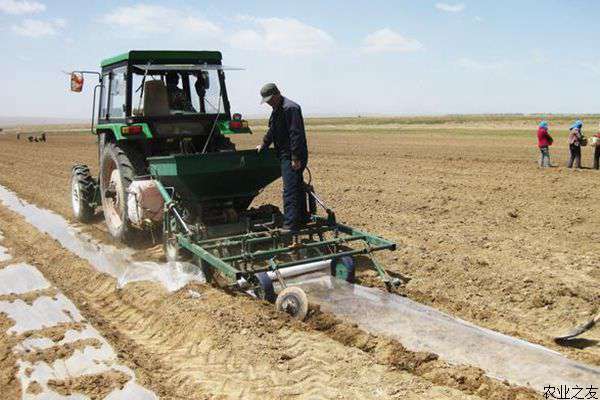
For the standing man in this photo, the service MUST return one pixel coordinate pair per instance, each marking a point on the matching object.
(286, 132)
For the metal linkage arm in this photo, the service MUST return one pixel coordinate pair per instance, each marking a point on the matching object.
(170, 206)
(208, 257)
(372, 240)
(267, 254)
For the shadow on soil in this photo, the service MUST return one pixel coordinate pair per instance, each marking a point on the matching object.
(578, 343)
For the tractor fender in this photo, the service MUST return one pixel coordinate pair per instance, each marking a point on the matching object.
(105, 136)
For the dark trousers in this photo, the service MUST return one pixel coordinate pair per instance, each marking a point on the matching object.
(545, 157)
(596, 157)
(294, 196)
(575, 157)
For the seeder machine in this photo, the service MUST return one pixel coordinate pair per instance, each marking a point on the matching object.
(176, 171)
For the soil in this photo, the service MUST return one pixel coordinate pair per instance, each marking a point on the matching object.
(96, 387)
(62, 351)
(10, 387)
(466, 379)
(226, 345)
(29, 297)
(55, 333)
(34, 388)
(483, 234)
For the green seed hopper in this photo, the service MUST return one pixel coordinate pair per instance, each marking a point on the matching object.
(217, 176)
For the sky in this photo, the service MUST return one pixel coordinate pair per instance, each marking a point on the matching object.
(401, 57)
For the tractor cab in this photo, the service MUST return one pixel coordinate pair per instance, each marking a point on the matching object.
(166, 115)
(175, 100)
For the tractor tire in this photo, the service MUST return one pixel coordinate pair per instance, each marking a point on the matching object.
(119, 164)
(83, 189)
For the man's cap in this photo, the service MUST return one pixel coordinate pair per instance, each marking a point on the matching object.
(268, 91)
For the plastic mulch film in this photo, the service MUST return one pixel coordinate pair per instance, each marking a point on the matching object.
(421, 328)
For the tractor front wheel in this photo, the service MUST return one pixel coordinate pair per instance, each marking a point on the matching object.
(83, 190)
(118, 167)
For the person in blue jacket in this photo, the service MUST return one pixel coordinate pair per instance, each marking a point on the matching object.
(286, 132)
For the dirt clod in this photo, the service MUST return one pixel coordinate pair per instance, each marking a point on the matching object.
(10, 386)
(63, 351)
(34, 388)
(96, 386)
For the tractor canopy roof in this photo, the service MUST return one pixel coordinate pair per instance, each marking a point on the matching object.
(165, 57)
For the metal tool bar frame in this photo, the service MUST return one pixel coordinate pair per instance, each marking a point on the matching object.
(325, 249)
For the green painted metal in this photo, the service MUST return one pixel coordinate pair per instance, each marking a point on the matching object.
(146, 130)
(217, 176)
(250, 239)
(215, 262)
(371, 239)
(165, 195)
(205, 249)
(165, 56)
(341, 271)
(224, 264)
(115, 128)
(224, 129)
(230, 175)
(267, 254)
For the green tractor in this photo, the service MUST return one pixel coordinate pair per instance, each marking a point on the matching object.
(167, 163)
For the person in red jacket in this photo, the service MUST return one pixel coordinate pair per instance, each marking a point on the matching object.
(544, 143)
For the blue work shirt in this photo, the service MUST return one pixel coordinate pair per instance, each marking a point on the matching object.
(286, 131)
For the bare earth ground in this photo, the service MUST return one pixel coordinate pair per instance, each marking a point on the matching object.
(484, 235)
(221, 345)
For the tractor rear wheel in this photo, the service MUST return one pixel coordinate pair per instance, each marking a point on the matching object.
(118, 166)
(83, 189)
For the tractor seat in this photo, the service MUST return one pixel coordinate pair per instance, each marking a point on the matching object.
(156, 99)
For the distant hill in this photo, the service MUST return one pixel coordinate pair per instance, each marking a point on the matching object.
(8, 122)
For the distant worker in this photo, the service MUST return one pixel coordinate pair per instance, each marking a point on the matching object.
(575, 143)
(286, 131)
(595, 142)
(544, 143)
(177, 97)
